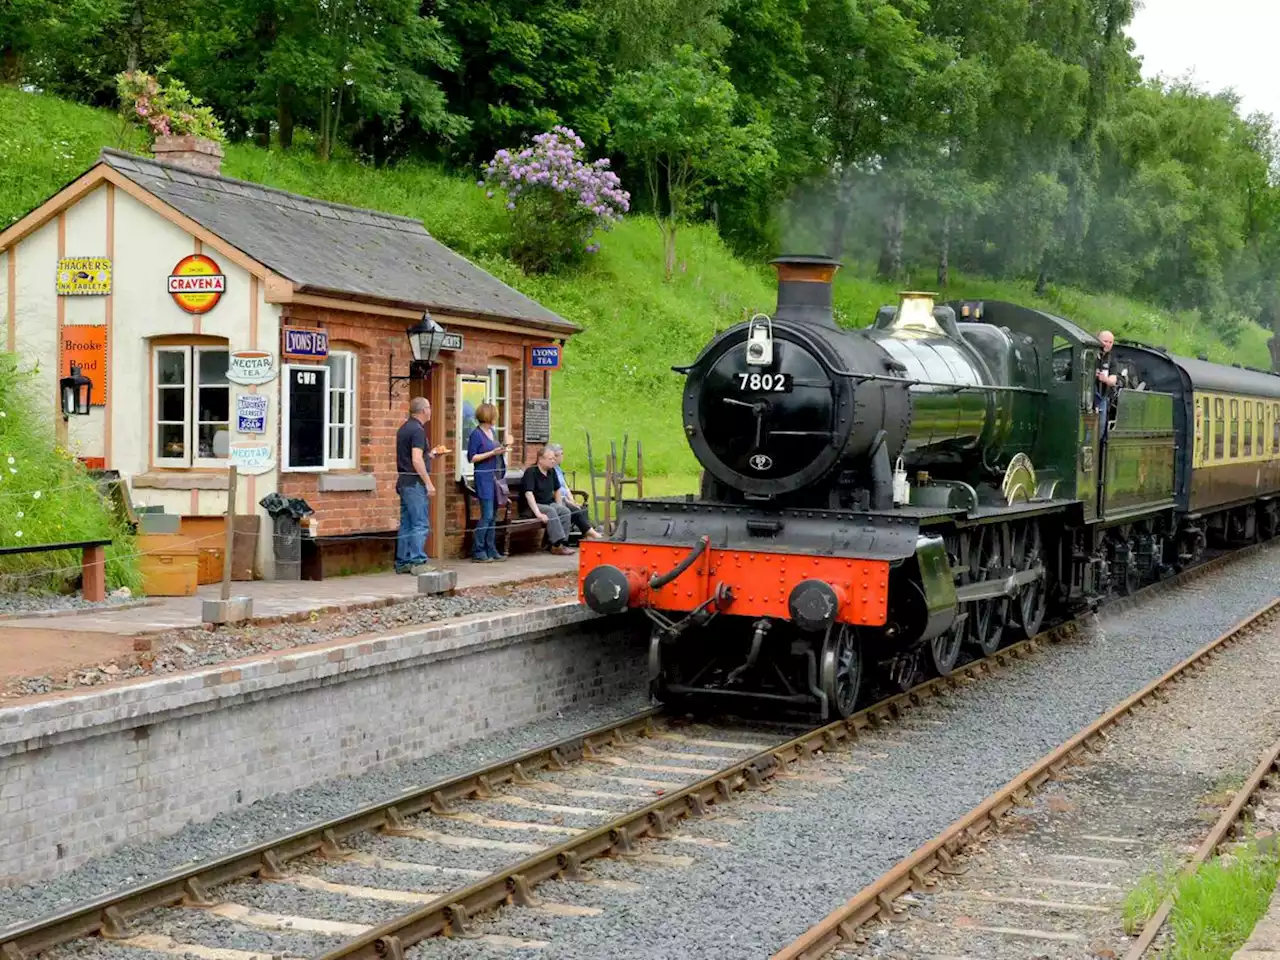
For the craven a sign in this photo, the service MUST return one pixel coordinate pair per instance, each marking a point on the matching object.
(197, 283)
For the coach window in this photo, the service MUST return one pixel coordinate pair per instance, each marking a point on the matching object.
(1219, 430)
(1275, 428)
(1235, 429)
(1248, 428)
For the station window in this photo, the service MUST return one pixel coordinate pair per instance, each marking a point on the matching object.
(1235, 429)
(1248, 428)
(500, 397)
(1219, 430)
(191, 406)
(341, 451)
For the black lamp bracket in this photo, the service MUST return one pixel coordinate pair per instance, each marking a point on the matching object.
(418, 370)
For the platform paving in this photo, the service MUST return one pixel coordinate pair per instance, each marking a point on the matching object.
(286, 598)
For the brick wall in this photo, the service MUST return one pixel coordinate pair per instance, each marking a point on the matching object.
(82, 776)
(382, 348)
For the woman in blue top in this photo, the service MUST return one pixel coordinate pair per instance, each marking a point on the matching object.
(486, 454)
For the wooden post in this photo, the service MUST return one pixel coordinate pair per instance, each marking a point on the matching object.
(93, 579)
(231, 532)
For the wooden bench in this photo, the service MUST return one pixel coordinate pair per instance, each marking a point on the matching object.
(93, 563)
(513, 517)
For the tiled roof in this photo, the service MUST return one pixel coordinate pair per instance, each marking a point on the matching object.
(330, 248)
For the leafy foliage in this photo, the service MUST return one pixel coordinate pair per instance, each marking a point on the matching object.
(46, 496)
(557, 199)
(166, 109)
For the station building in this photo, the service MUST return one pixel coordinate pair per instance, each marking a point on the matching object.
(224, 322)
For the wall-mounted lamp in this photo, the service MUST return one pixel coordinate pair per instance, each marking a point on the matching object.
(426, 337)
(77, 391)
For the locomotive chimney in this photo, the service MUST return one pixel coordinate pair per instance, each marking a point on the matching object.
(804, 289)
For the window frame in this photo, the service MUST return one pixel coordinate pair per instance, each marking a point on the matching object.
(502, 427)
(1219, 429)
(190, 403)
(1234, 435)
(352, 360)
(1275, 428)
(286, 417)
(1247, 441)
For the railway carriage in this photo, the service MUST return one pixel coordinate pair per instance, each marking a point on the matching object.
(880, 498)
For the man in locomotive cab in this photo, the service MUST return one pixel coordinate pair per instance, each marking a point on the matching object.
(1104, 392)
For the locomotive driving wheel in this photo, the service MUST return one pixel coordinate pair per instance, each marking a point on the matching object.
(987, 617)
(841, 671)
(944, 650)
(1032, 599)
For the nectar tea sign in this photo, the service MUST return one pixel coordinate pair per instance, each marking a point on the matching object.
(251, 366)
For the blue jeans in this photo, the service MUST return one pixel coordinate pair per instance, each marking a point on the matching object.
(414, 526)
(486, 544)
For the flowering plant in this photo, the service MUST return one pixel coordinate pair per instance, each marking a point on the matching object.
(167, 110)
(556, 198)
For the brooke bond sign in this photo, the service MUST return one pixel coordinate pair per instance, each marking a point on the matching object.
(197, 283)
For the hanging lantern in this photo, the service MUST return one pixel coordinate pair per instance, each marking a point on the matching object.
(77, 391)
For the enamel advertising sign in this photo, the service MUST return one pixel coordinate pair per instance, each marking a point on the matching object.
(197, 283)
(84, 277)
(251, 366)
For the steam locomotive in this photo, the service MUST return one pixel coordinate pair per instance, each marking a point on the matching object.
(879, 498)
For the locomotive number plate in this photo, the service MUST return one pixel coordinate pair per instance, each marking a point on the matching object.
(764, 383)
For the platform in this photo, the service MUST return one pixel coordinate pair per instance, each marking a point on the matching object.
(33, 646)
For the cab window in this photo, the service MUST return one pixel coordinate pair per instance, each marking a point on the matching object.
(1248, 428)
(1219, 430)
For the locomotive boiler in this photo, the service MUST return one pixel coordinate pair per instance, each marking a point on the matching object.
(881, 497)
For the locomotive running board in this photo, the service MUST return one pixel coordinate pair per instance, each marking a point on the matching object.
(992, 589)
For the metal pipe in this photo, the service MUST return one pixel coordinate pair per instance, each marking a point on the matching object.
(658, 582)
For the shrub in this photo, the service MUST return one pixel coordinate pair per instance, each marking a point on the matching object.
(557, 199)
(47, 496)
(167, 109)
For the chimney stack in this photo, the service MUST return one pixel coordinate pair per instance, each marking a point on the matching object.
(197, 154)
(804, 289)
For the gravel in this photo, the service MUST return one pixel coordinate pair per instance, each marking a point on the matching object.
(784, 870)
(814, 840)
(188, 649)
(277, 815)
(29, 604)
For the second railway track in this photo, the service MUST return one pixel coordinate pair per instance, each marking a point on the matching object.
(481, 840)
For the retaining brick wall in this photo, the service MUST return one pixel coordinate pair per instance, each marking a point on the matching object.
(83, 775)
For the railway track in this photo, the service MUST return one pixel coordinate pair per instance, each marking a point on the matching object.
(1014, 877)
(464, 846)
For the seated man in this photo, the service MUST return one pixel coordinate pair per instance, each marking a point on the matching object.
(578, 512)
(542, 495)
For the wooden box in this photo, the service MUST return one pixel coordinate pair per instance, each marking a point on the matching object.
(169, 565)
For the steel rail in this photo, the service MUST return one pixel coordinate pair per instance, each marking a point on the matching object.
(109, 914)
(1230, 816)
(910, 874)
(452, 913)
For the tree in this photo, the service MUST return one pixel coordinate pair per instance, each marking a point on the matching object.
(676, 120)
(35, 35)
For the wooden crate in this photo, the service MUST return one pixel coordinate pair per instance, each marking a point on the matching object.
(169, 565)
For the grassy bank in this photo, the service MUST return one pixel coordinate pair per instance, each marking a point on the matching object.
(46, 496)
(1215, 909)
(617, 376)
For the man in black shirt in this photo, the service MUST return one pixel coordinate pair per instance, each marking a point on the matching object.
(542, 494)
(413, 483)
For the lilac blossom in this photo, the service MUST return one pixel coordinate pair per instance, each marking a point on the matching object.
(558, 198)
